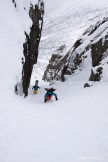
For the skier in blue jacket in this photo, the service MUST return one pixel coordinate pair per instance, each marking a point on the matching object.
(50, 92)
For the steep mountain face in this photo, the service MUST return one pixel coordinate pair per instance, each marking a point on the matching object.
(64, 23)
(75, 127)
(93, 45)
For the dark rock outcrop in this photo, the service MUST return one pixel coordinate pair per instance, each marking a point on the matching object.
(98, 50)
(86, 85)
(96, 76)
(50, 72)
(53, 70)
(31, 44)
(14, 3)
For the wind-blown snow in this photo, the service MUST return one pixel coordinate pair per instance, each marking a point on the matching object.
(75, 127)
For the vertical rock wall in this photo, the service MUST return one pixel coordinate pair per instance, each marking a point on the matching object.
(31, 44)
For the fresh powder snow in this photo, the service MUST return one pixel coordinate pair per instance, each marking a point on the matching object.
(75, 127)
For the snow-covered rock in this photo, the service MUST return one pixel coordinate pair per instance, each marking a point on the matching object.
(92, 44)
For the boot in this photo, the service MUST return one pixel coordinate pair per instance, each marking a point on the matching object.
(56, 98)
(45, 100)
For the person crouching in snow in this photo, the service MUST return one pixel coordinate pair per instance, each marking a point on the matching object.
(49, 94)
(35, 89)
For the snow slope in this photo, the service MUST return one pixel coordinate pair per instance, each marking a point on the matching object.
(75, 127)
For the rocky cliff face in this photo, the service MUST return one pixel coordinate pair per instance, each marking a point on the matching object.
(93, 44)
(31, 44)
(53, 67)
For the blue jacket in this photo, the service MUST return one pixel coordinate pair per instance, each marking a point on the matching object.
(50, 91)
(35, 87)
